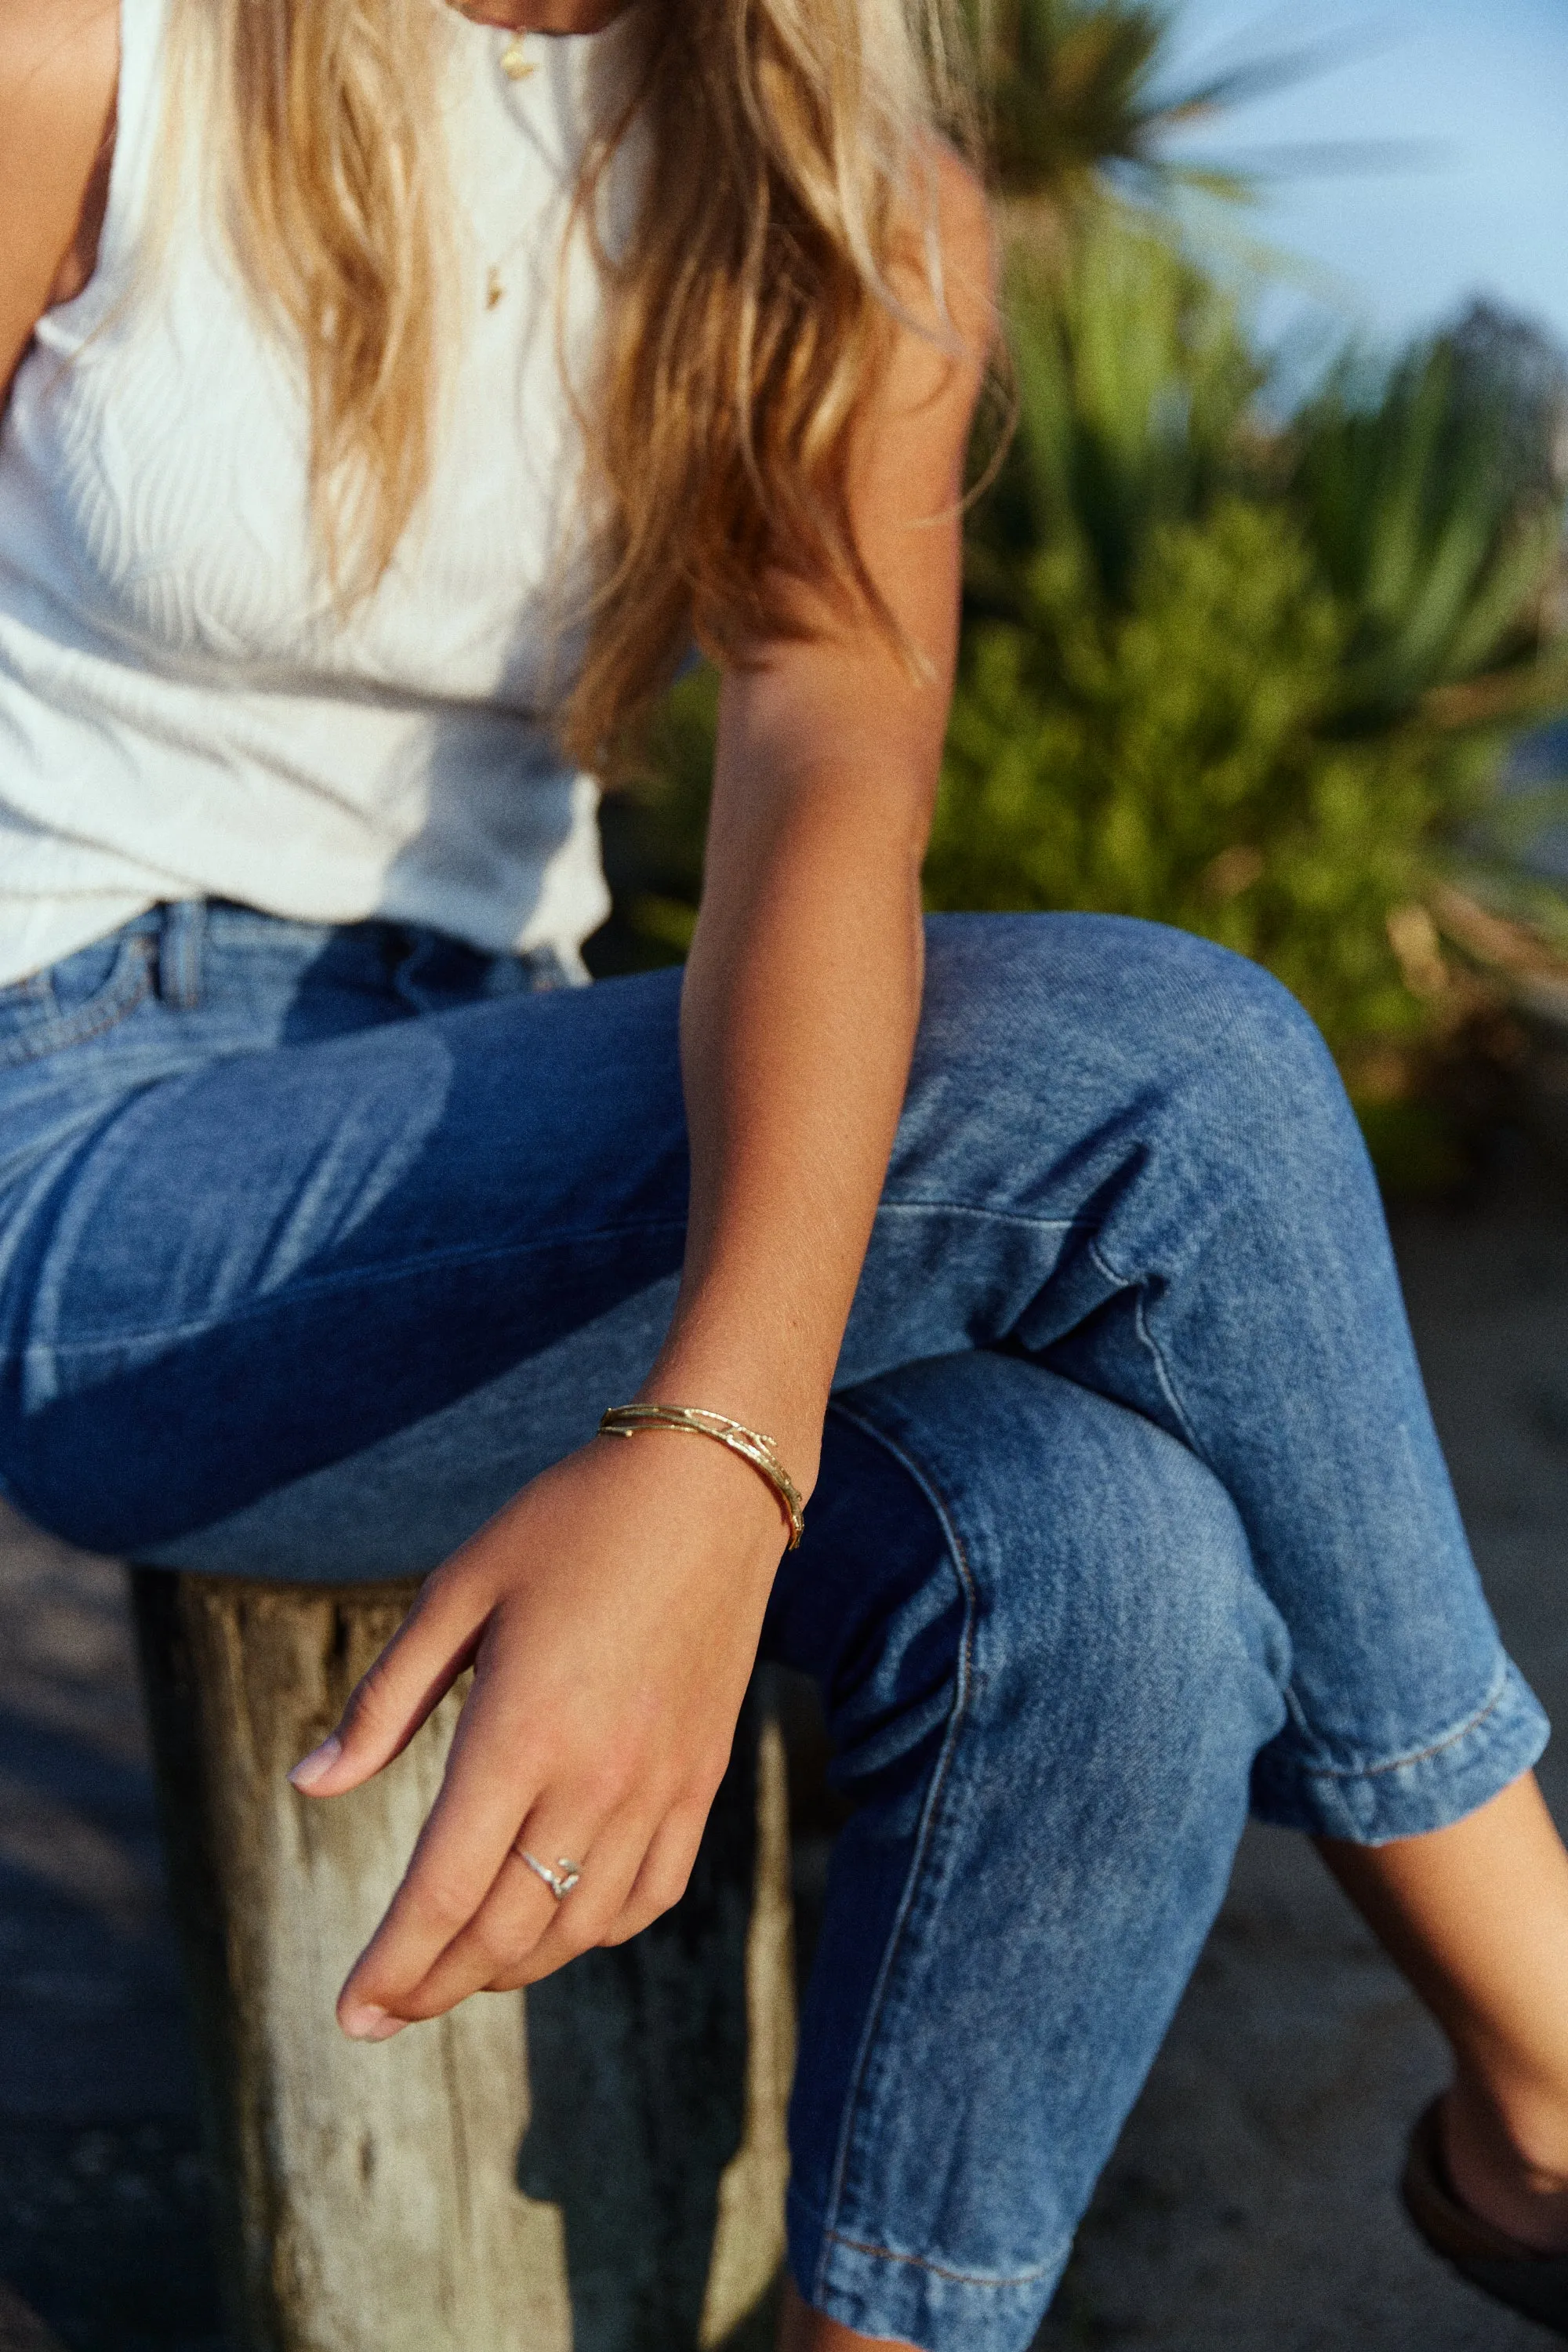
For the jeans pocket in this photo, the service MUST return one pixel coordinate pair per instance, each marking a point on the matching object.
(76, 999)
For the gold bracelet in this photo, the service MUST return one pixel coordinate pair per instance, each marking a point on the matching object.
(626, 1420)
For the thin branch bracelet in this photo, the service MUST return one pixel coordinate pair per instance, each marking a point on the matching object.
(626, 1420)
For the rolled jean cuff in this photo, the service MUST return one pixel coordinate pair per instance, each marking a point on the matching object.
(1427, 1788)
(911, 2300)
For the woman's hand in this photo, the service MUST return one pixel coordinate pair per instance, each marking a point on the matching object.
(611, 1614)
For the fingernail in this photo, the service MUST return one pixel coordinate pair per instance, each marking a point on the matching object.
(318, 1764)
(366, 2022)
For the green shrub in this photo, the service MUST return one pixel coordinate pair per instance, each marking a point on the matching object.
(1203, 668)
(1251, 682)
(1163, 757)
(654, 831)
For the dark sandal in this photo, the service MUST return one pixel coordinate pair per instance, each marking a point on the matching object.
(1535, 2284)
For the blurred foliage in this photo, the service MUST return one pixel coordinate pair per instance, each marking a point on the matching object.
(1069, 91)
(1434, 520)
(1079, 100)
(1514, 860)
(1252, 680)
(654, 833)
(1245, 683)
(1072, 93)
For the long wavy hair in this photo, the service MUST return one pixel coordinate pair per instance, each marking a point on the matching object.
(788, 191)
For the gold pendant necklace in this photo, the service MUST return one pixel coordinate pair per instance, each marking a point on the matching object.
(495, 275)
(517, 66)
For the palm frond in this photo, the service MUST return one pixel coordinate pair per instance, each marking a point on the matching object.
(1435, 514)
(1076, 93)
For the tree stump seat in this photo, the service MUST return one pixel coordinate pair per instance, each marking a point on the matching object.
(596, 2167)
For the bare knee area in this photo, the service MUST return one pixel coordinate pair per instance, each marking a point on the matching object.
(1251, 2204)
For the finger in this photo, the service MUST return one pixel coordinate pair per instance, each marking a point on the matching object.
(664, 1875)
(519, 1908)
(505, 1929)
(579, 1921)
(492, 1776)
(435, 1644)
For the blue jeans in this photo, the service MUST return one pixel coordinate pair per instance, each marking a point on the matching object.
(314, 1244)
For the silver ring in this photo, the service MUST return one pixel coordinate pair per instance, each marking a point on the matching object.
(561, 1880)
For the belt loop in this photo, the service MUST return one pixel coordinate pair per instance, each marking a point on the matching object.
(180, 943)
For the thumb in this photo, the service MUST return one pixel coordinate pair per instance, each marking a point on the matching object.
(401, 1690)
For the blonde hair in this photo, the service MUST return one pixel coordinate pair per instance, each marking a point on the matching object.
(746, 312)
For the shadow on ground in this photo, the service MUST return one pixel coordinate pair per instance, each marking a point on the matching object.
(102, 2189)
(1251, 2204)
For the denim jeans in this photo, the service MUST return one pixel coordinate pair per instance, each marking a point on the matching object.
(315, 1244)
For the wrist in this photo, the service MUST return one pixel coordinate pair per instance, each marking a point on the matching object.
(756, 1450)
(791, 1420)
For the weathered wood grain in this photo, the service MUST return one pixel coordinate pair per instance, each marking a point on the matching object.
(609, 2180)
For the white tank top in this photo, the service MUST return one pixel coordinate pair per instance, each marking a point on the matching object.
(181, 715)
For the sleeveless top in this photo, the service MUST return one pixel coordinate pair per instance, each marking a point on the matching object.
(182, 714)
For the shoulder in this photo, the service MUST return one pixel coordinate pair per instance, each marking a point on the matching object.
(965, 228)
(58, 71)
(943, 282)
(950, 279)
(56, 53)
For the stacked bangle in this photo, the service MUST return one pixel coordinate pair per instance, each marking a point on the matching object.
(626, 1420)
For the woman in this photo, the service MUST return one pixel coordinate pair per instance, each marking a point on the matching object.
(391, 399)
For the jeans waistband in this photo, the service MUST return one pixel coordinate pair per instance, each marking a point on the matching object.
(183, 934)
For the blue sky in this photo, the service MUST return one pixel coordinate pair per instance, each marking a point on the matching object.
(1480, 87)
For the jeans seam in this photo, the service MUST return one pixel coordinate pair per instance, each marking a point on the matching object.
(294, 1292)
(893, 1201)
(126, 988)
(939, 1781)
(161, 1334)
(1162, 1370)
(1416, 1755)
(938, 2269)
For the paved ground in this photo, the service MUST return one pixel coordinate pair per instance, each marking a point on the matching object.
(102, 2215)
(1249, 2207)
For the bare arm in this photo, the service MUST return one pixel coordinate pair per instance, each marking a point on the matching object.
(613, 1611)
(59, 69)
(804, 984)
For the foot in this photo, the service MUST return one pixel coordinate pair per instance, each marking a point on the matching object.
(1510, 2171)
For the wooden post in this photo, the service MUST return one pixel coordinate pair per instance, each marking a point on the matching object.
(607, 2177)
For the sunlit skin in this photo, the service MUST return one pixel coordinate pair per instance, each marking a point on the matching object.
(1476, 1917)
(605, 1699)
(540, 15)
